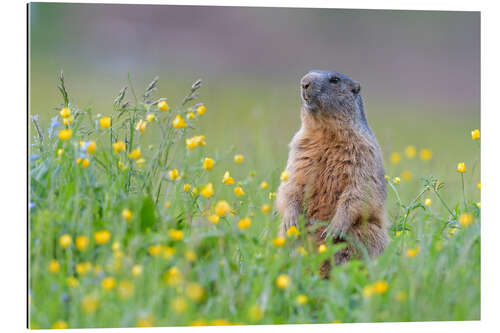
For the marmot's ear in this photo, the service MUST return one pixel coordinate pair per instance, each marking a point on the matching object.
(356, 88)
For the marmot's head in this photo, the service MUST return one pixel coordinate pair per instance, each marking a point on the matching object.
(330, 94)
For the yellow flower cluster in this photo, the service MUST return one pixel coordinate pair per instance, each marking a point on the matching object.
(195, 141)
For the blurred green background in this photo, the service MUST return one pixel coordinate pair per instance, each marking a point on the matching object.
(419, 70)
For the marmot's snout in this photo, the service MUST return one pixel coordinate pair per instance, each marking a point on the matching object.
(310, 85)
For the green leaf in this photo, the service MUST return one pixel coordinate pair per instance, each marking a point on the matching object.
(148, 216)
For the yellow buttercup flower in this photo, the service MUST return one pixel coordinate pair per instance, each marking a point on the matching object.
(108, 283)
(65, 112)
(302, 250)
(72, 282)
(201, 109)
(60, 152)
(227, 179)
(151, 117)
(54, 266)
(214, 219)
(266, 208)
(397, 180)
(89, 304)
(200, 140)
(292, 231)
(195, 141)
(465, 219)
(285, 175)
(191, 143)
(168, 252)
(475, 134)
(410, 152)
(395, 158)
(175, 234)
(105, 122)
(255, 313)
(244, 223)
(173, 277)
(478, 205)
(140, 162)
(406, 175)
(428, 202)
(190, 115)
(179, 304)
(125, 289)
(173, 174)
(238, 159)
(67, 121)
(115, 246)
(118, 146)
(178, 122)
(479, 185)
(222, 208)
(85, 163)
(380, 287)
(207, 191)
(145, 321)
(198, 323)
(279, 241)
(135, 154)
(168, 204)
(60, 325)
(411, 253)
(136, 270)
(141, 126)
(283, 281)
(81, 242)
(190, 256)
(426, 154)
(91, 148)
(195, 291)
(162, 105)
(461, 167)
(127, 214)
(102, 236)
(301, 299)
(65, 134)
(208, 163)
(65, 241)
(186, 187)
(272, 195)
(264, 185)
(220, 322)
(322, 248)
(239, 191)
(83, 267)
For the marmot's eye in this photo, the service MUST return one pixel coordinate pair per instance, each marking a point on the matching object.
(334, 79)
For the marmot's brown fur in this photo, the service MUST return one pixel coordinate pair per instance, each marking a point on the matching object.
(336, 169)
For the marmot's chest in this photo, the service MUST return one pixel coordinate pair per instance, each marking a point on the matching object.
(334, 164)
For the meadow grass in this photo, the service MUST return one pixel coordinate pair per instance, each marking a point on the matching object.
(163, 237)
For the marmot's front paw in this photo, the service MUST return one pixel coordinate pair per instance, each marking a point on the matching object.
(286, 223)
(336, 228)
